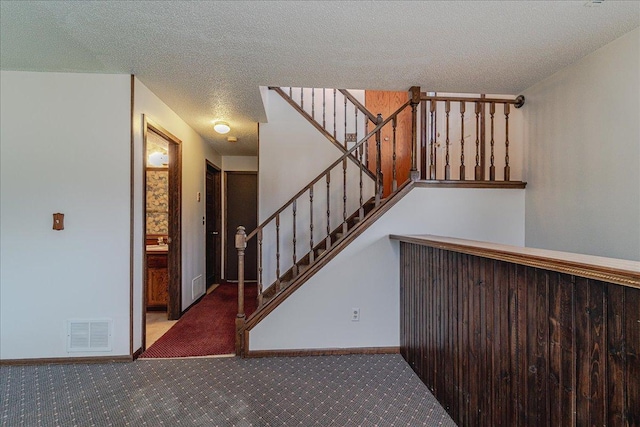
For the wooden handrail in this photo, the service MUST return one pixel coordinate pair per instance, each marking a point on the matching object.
(621, 272)
(324, 172)
(372, 117)
(518, 102)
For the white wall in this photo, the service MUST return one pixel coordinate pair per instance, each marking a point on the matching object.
(65, 147)
(240, 163)
(582, 131)
(194, 152)
(291, 154)
(366, 274)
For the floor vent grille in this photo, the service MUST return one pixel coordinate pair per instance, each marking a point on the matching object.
(89, 335)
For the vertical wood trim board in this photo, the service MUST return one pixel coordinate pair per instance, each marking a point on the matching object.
(502, 344)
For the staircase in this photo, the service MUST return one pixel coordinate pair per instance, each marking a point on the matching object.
(341, 202)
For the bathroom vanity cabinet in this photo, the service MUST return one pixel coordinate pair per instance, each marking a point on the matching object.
(157, 281)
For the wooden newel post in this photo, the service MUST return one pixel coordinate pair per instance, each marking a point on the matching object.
(414, 93)
(241, 244)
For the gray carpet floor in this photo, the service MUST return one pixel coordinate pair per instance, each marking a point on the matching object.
(355, 390)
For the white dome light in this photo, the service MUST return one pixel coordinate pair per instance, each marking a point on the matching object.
(221, 127)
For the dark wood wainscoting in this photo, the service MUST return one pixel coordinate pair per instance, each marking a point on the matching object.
(504, 344)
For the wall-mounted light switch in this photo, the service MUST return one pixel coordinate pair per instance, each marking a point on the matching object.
(58, 221)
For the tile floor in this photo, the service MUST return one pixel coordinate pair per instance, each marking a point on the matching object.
(158, 325)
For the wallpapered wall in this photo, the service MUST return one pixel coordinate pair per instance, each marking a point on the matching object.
(157, 201)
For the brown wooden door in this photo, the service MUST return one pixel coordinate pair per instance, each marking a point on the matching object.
(241, 209)
(213, 225)
(385, 103)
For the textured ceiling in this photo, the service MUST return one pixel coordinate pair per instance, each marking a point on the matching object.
(206, 60)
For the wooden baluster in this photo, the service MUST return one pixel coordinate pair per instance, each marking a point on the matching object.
(345, 121)
(432, 142)
(394, 183)
(295, 241)
(328, 239)
(241, 244)
(492, 168)
(415, 101)
(361, 210)
(379, 183)
(311, 254)
(260, 267)
(462, 171)
(507, 168)
(423, 140)
(478, 169)
(302, 98)
(344, 196)
(356, 127)
(334, 113)
(447, 166)
(324, 108)
(313, 103)
(278, 253)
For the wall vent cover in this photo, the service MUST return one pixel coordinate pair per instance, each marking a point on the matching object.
(89, 335)
(197, 287)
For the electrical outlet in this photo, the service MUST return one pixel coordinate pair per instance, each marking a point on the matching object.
(355, 314)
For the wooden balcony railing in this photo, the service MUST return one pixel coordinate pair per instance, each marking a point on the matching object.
(443, 144)
(507, 336)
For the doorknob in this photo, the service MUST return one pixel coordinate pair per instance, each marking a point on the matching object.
(215, 233)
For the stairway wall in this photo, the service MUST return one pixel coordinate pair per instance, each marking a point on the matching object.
(366, 274)
(292, 153)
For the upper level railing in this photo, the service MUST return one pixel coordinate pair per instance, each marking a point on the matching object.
(446, 141)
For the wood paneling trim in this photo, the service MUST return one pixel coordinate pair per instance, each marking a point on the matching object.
(66, 360)
(622, 272)
(503, 344)
(323, 352)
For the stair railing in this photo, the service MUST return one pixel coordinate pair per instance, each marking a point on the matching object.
(319, 240)
(336, 113)
(445, 141)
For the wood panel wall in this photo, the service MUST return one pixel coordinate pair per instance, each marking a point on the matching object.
(501, 344)
(385, 103)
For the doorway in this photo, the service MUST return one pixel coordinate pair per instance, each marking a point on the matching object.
(162, 263)
(241, 203)
(385, 103)
(213, 225)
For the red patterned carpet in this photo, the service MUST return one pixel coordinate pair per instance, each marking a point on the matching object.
(208, 328)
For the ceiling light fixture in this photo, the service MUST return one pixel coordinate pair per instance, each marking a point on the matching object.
(221, 127)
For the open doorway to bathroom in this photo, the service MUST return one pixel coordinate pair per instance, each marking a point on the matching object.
(162, 295)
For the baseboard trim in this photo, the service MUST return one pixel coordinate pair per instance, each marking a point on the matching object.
(66, 360)
(137, 353)
(322, 352)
